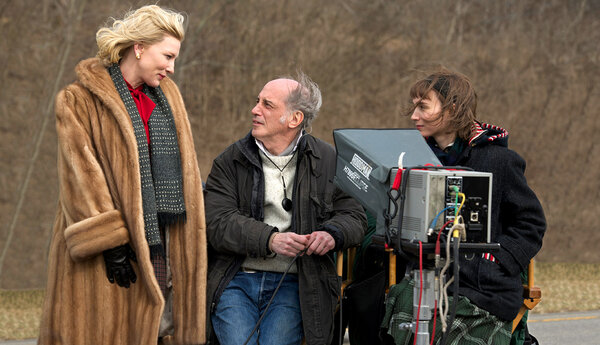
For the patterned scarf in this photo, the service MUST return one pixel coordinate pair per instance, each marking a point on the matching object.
(160, 164)
(448, 156)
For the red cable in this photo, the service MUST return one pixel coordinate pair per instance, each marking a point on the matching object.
(437, 241)
(434, 316)
(397, 179)
(420, 289)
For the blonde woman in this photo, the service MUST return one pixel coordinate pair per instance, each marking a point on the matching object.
(127, 262)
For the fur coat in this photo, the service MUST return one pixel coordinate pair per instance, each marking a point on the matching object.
(100, 207)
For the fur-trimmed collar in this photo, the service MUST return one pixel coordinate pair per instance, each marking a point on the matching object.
(93, 75)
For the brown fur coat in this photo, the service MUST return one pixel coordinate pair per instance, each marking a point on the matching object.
(100, 207)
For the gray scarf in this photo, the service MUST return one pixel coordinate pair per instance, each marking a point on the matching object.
(160, 165)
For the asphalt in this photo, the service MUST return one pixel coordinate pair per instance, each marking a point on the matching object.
(581, 328)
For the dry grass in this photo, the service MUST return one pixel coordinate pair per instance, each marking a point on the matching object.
(20, 312)
(568, 287)
(565, 287)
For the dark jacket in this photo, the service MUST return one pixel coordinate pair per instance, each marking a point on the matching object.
(234, 214)
(517, 223)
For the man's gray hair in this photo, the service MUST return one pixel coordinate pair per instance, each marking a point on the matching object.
(306, 97)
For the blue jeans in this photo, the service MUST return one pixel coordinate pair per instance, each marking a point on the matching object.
(245, 299)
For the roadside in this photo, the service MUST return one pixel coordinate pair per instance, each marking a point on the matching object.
(565, 286)
(579, 328)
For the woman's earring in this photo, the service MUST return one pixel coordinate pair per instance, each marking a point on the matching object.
(137, 56)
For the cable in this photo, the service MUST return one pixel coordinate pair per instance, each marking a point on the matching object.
(456, 192)
(459, 207)
(442, 291)
(437, 241)
(273, 296)
(439, 281)
(455, 278)
(456, 243)
(434, 221)
(434, 317)
(443, 306)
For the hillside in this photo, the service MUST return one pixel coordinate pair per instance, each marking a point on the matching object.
(536, 66)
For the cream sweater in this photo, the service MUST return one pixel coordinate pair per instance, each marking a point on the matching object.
(275, 215)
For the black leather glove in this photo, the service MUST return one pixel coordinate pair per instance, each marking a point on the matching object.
(118, 266)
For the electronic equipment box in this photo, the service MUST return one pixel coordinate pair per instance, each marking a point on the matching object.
(429, 192)
(365, 159)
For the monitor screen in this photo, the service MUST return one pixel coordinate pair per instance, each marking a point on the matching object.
(366, 158)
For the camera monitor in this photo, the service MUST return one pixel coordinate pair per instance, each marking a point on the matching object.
(366, 159)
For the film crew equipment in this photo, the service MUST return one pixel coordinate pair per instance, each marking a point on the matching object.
(365, 158)
(409, 205)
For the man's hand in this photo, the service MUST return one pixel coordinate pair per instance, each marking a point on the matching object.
(288, 243)
(320, 243)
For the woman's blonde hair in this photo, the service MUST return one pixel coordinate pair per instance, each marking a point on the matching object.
(146, 25)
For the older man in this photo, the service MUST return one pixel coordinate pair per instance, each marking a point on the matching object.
(273, 213)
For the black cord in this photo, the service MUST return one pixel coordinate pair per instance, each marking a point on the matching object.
(455, 244)
(273, 296)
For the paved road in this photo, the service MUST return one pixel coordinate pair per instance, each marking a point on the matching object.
(577, 328)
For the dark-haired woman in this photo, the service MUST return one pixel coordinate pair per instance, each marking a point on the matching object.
(490, 288)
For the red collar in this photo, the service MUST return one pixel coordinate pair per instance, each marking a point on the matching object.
(144, 105)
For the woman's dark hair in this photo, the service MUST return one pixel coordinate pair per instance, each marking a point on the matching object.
(457, 95)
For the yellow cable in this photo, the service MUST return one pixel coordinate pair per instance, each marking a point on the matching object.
(460, 207)
(457, 227)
